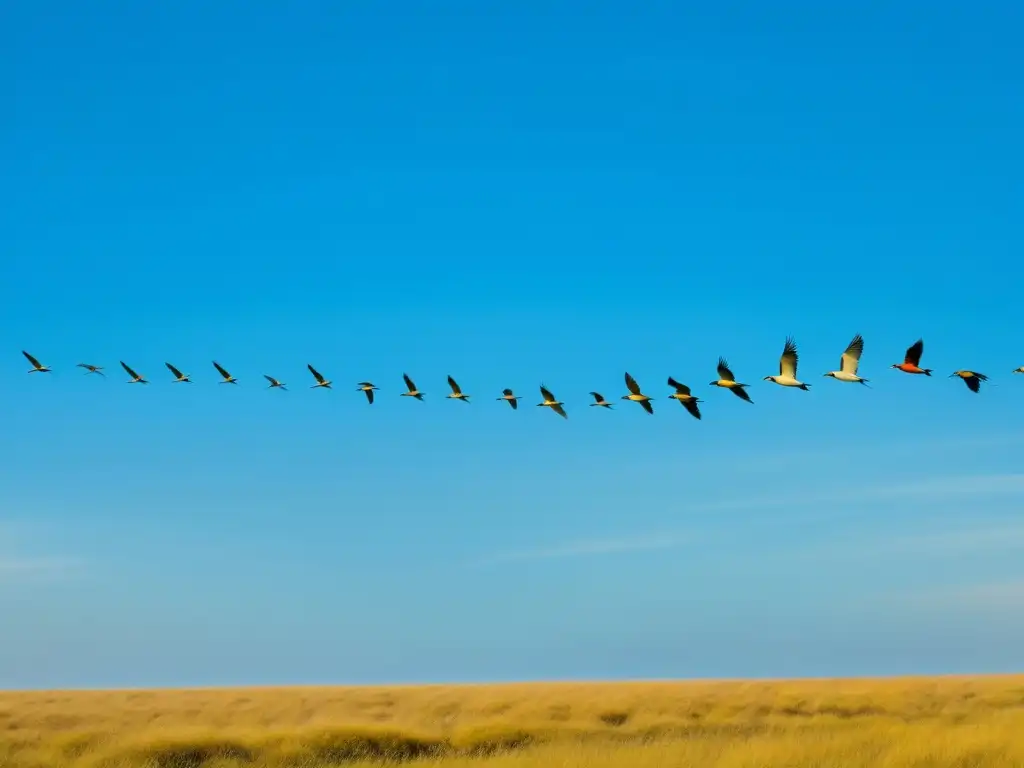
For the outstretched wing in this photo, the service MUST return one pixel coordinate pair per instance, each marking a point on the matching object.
(128, 370)
(560, 411)
(742, 394)
(271, 379)
(682, 389)
(789, 360)
(724, 373)
(647, 406)
(546, 394)
(220, 370)
(914, 352)
(32, 360)
(408, 382)
(369, 395)
(316, 373)
(972, 383)
(632, 385)
(598, 397)
(851, 357)
(454, 386)
(172, 369)
(691, 406)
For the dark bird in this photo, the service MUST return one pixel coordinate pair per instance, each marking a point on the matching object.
(36, 367)
(413, 392)
(274, 383)
(228, 378)
(599, 400)
(92, 369)
(506, 395)
(320, 380)
(726, 380)
(972, 379)
(911, 361)
(136, 379)
(550, 402)
(682, 394)
(636, 395)
(456, 392)
(179, 377)
(367, 388)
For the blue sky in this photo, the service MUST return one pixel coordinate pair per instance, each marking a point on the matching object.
(513, 195)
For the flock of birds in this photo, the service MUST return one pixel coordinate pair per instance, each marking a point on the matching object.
(849, 362)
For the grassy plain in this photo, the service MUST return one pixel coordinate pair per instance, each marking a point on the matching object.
(969, 722)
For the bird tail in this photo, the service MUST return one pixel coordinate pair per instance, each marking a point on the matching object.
(927, 371)
(865, 383)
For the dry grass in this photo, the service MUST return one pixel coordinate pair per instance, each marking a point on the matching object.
(900, 723)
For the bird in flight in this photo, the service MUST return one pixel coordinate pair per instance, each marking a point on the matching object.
(972, 379)
(1019, 370)
(320, 380)
(36, 367)
(367, 388)
(599, 400)
(849, 361)
(787, 368)
(274, 383)
(636, 395)
(413, 392)
(682, 394)
(228, 378)
(92, 369)
(179, 377)
(506, 395)
(726, 380)
(456, 392)
(911, 362)
(550, 402)
(136, 379)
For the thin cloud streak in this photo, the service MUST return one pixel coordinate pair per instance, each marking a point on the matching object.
(589, 547)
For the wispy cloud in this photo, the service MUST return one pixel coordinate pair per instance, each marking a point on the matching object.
(590, 547)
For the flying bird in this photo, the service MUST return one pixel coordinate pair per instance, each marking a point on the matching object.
(636, 395)
(911, 362)
(550, 402)
(456, 392)
(849, 361)
(726, 380)
(367, 388)
(320, 380)
(506, 394)
(92, 369)
(599, 400)
(179, 377)
(274, 383)
(682, 394)
(136, 379)
(228, 378)
(787, 368)
(36, 367)
(1019, 370)
(972, 379)
(413, 392)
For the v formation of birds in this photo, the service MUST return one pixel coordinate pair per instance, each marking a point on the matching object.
(849, 363)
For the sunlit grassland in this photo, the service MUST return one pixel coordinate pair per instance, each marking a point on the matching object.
(919, 722)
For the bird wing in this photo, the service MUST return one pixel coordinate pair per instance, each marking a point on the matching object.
(454, 386)
(369, 395)
(632, 385)
(680, 388)
(972, 383)
(724, 372)
(316, 373)
(130, 372)
(271, 379)
(31, 359)
(173, 370)
(598, 397)
(914, 352)
(691, 406)
(223, 373)
(514, 404)
(851, 357)
(789, 360)
(559, 410)
(741, 393)
(647, 406)
(83, 365)
(546, 394)
(408, 382)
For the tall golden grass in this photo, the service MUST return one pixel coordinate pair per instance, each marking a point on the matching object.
(908, 722)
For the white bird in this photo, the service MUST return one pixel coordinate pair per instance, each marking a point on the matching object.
(136, 379)
(228, 378)
(367, 387)
(849, 361)
(92, 369)
(179, 377)
(456, 391)
(411, 386)
(636, 395)
(506, 395)
(274, 383)
(36, 367)
(787, 368)
(320, 380)
(550, 402)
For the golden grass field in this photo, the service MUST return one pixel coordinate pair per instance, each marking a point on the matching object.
(970, 722)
